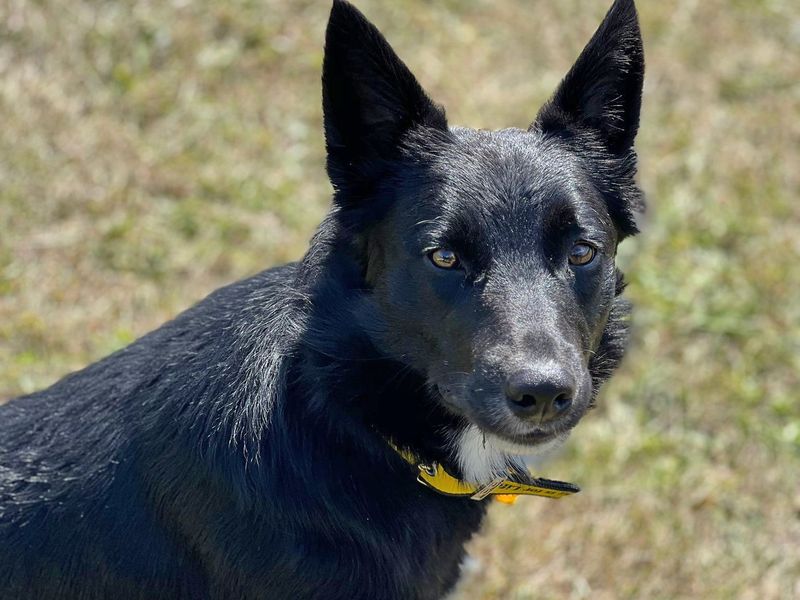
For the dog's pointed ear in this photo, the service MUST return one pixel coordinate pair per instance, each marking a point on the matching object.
(603, 89)
(369, 98)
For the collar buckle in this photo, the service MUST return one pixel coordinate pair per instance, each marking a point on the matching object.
(488, 488)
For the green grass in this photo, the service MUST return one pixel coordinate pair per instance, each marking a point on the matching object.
(152, 151)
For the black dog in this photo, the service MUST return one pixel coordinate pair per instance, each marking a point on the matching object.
(458, 306)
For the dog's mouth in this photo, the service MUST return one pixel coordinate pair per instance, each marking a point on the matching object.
(534, 438)
(491, 439)
(512, 440)
(512, 434)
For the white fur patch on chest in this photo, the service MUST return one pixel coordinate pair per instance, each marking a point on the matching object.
(483, 457)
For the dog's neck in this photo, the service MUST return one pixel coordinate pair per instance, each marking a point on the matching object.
(385, 399)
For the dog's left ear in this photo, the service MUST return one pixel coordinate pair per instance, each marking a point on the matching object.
(370, 99)
(603, 90)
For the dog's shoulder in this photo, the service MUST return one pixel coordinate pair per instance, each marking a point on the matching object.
(93, 451)
(228, 341)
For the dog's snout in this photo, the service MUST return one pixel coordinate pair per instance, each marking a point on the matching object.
(540, 396)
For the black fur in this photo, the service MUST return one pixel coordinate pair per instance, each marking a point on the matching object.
(240, 450)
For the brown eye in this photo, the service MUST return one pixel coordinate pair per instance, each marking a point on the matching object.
(582, 254)
(444, 259)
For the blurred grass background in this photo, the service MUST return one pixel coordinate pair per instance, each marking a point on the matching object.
(151, 151)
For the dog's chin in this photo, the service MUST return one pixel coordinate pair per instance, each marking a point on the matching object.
(532, 445)
(482, 456)
(485, 448)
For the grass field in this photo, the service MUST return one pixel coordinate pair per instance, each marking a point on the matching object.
(152, 151)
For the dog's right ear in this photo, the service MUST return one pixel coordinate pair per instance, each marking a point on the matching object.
(370, 99)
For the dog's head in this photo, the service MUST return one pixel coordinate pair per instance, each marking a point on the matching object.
(489, 255)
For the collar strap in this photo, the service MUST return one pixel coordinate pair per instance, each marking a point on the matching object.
(434, 476)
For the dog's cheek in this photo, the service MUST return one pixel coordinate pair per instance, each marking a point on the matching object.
(604, 304)
(431, 320)
(408, 311)
(595, 296)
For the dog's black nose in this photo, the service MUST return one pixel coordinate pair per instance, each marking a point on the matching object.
(539, 397)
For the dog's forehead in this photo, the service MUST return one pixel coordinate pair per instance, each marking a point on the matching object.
(508, 163)
(502, 170)
(507, 179)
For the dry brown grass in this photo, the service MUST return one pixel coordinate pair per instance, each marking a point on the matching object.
(152, 151)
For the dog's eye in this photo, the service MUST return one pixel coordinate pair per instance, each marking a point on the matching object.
(582, 253)
(444, 259)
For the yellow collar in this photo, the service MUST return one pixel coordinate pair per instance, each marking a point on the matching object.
(504, 490)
